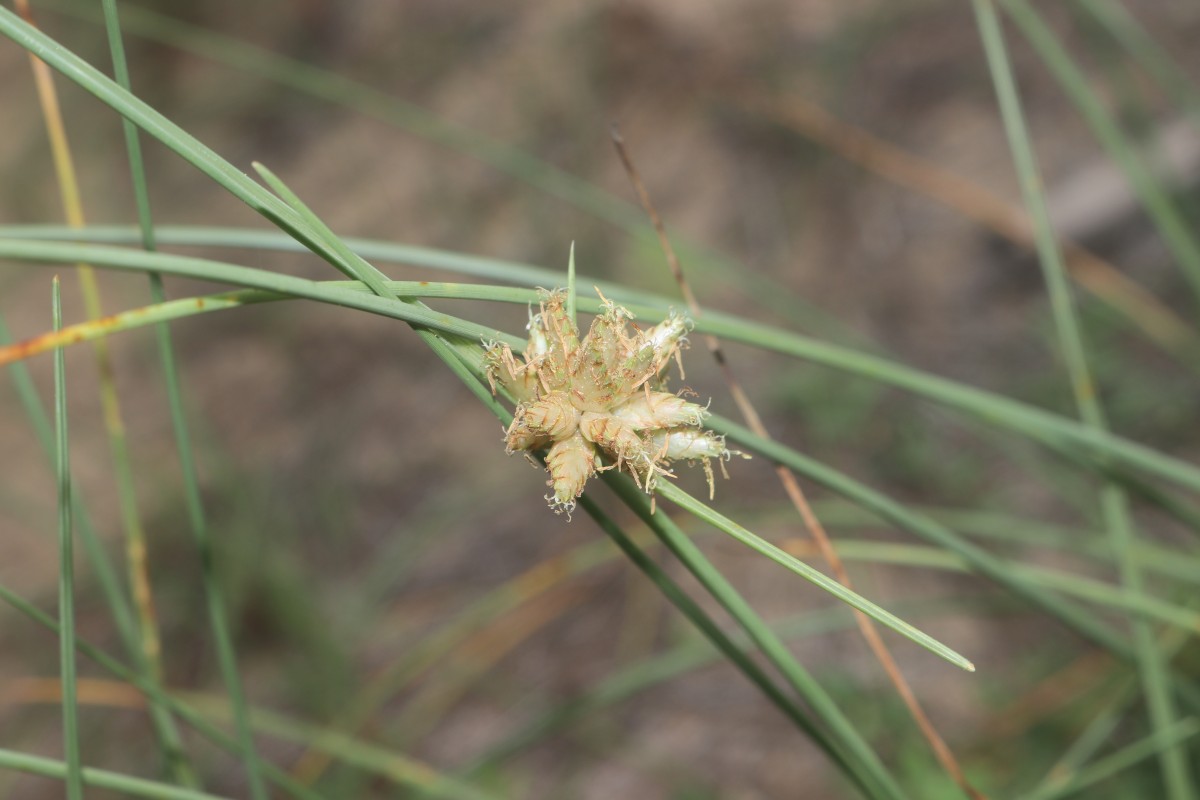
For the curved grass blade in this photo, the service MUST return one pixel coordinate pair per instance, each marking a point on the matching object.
(204, 269)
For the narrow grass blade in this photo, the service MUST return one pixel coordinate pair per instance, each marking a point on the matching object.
(1163, 211)
(197, 711)
(66, 568)
(1103, 769)
(133, 146)
(702, 511)
(339, 90)
(907, 519)
(1116, 705)
(684, 659)
(1150, 55)
(877, 780)
(132, 526)
(101, 565)
(156, 694)
(1114, 506)
(226, 657)
(1097, 449)
(864, 766)
(204, 269)
(127, 785)
(708, 629)
(1099, 592)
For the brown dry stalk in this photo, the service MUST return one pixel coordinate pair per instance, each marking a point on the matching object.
(89, 691)
(888, 161)
(792, 487)
(68, 185)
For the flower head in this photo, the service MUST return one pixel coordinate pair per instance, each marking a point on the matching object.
(601, 396)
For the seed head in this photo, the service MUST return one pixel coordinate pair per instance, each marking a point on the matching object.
(599, 396)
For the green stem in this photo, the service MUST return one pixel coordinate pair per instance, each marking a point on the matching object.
(66, 569)
(1114, 504)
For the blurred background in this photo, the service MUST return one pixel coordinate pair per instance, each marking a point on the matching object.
(835, 168)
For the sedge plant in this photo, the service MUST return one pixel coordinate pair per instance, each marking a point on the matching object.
(598, 405)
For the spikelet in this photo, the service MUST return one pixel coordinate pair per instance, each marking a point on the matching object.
(689, 443)
(560, 338)
(693, 444)
(618, 440)
(570, 463)
(520, 379)
(550, 419)
(649, 410)
(595, 385)
(654, 348)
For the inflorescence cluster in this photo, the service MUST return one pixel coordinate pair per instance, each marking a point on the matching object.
(582, 400)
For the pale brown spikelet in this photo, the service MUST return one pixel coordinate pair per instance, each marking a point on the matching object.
(552, 416)
(689, 443)
(621, 442)
(694, 444)
(649, 410)
(519, 437)
(520, 379)
(654, 348)
(570, 463)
